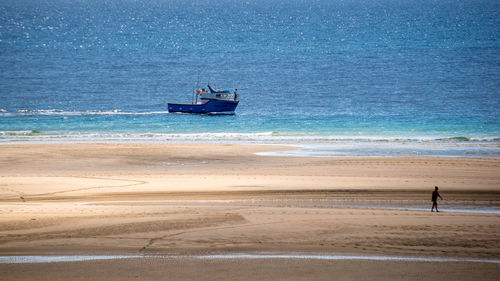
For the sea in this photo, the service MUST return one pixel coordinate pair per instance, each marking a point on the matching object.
(331, 77)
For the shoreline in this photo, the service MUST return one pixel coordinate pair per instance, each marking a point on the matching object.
(442, 147)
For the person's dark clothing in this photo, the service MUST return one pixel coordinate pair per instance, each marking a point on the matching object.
(435, 195)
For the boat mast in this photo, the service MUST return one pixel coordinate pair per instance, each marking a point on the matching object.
(197, 88)
(192, 99)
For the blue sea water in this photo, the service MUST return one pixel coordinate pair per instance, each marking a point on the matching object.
(339, 77)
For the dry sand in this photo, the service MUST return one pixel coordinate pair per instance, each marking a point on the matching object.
(190, 199)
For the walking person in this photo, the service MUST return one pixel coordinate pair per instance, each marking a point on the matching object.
(435, 195)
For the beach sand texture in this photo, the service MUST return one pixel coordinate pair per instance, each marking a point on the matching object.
(192, 199)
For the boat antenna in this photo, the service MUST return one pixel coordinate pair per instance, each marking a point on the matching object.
(192, 99)
(197, 87)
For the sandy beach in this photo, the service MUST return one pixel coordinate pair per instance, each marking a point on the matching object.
(203, 199)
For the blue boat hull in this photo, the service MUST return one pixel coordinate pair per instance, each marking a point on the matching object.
(211, 106)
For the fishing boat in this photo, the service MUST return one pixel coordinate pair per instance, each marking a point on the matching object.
(211, 102)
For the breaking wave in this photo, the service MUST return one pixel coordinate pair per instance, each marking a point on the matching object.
(260, 137)
(20, 133)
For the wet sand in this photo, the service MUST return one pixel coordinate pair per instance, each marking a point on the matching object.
(195, 269)
(183, 199)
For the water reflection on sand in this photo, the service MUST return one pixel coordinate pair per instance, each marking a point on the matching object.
(454, 206)
(77, 258)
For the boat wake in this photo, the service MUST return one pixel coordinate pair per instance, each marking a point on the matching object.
(56, 112)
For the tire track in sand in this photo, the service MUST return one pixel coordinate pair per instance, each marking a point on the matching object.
(128, 183)
(163, 237)
(20, 194)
